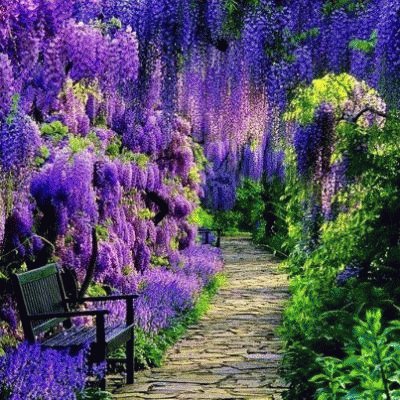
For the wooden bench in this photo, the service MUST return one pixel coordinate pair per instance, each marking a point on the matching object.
(206, 235)
(43, 306)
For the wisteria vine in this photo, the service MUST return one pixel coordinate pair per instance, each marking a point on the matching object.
(120, 117)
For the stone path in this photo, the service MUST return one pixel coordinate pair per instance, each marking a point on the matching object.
(233, 352)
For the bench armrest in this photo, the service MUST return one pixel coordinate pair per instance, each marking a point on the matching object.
(129, 298)
(68, 314)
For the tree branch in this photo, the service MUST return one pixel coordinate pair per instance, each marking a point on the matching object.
(356, 117)
(91, 267)
(162, 205)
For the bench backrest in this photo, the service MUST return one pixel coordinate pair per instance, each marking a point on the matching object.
(39, 291)
(207, 236)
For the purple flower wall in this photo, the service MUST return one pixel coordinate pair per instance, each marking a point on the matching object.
(86, 145)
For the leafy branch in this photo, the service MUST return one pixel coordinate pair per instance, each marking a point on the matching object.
(371, 369)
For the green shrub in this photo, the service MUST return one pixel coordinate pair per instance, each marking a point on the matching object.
(246, 215)
(371, 369)
(361, 235)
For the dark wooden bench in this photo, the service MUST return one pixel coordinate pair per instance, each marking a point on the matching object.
(43, 306)
(206, 234)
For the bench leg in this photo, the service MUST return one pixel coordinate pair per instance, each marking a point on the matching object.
(103, 384)
(130, 361)
(101, 346)
(130, 344)
(102, 359)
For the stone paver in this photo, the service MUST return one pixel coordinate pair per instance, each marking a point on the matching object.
(233, 353)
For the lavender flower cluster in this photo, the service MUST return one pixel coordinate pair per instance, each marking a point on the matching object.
(31, 373)
(165, 294)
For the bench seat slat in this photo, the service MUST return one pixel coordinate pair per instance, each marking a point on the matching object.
(80, 336)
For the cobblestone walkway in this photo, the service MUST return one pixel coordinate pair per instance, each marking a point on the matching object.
(233, 353)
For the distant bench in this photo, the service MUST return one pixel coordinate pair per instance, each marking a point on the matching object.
(207, 236)
(43, 306)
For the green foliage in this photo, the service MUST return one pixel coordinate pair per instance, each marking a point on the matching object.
(150, 349)
(286, 42)
(94, 394)
(201, 162)
(14, 109)
(246, 215)
(44, 154)
(114, 148)
(145, 214)
(333, 89)
(273, 231)
(78, 144)
(319, 321)
(366, 46)
(228, 221)
(351, 6)
(102, 232)
(201, 217)
(236, 10)
(139, 159)
(249, 205)
(96, 290)
(54, 130)
(370, 369)
(159, 261)
(115, 23)
(200, 158)
(303, 36)
(6, 341)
